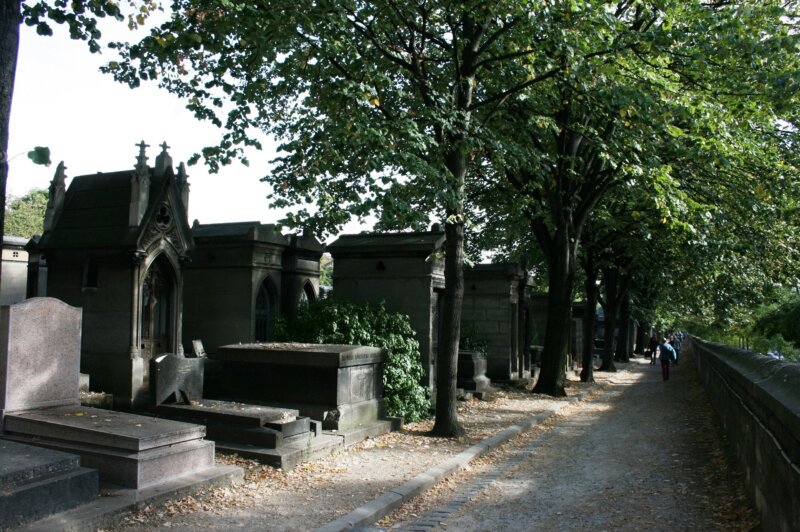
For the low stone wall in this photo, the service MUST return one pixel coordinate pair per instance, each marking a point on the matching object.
(758, 401)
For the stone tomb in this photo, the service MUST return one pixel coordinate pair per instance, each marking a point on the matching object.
(39, 358)
(342, 385)
(277, 436)
(496, 308)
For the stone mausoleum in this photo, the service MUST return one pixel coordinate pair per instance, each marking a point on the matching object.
(13, 279)
(496, 311)
(401, 269)
(119, 246)
(241, 276)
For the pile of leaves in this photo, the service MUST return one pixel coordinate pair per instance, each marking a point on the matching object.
(338, 322)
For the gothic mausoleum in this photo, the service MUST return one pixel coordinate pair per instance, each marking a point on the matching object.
(119, 246)
(114, 244)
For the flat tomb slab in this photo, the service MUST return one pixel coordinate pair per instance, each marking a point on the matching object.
(232, 412)
(135, 469)
(93, 426)
(296, 354)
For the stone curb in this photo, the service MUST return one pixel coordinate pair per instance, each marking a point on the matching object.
(383, 505)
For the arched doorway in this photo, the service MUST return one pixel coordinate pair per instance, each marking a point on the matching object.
(265, 304)
(158, 309)
(307, 295)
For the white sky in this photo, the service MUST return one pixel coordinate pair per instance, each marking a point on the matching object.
(92, 123)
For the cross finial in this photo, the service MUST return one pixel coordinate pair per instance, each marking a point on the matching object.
(141, 160)
(163, 160)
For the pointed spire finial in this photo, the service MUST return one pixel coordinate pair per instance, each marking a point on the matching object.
(60, 174)
(141, 160)
(182, 175)
(57, 185)
(164, 160)
(56, 197)
(182, 180)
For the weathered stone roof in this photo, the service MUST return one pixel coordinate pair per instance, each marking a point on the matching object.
(388, 242)
(255, 231)
(95, 213)
(499, 269)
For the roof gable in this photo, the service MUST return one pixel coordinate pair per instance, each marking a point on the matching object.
(165, 218)
(96, 213)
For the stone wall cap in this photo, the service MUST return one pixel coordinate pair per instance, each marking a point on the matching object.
(299, 354)
(250, 231)
(506, 269)
(374, 242)
(18, 241)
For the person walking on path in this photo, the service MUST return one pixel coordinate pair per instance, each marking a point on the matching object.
(677, 340)
(667, 355)
(652, 347)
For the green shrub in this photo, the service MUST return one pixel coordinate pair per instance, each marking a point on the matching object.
(336, 322)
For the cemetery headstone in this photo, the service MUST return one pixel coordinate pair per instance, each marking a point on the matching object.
(38, 367)
(40, 342)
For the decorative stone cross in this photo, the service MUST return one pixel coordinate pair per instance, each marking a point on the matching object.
(141, 161)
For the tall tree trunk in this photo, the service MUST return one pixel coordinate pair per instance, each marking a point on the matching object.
(9, 47)
(552, 377)
(623, 339)
(446, 423)
(590, 287)
(610, 276)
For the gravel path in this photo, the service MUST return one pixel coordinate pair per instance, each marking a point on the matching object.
(643, 455)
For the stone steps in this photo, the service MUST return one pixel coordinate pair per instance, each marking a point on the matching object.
(210, 410)
(291, 454)
(37, 482)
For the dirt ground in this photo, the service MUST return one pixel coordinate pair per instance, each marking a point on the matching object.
(668, 470)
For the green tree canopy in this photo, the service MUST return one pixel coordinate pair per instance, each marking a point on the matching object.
(535, 109)
(25, 215)
(677, 110)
